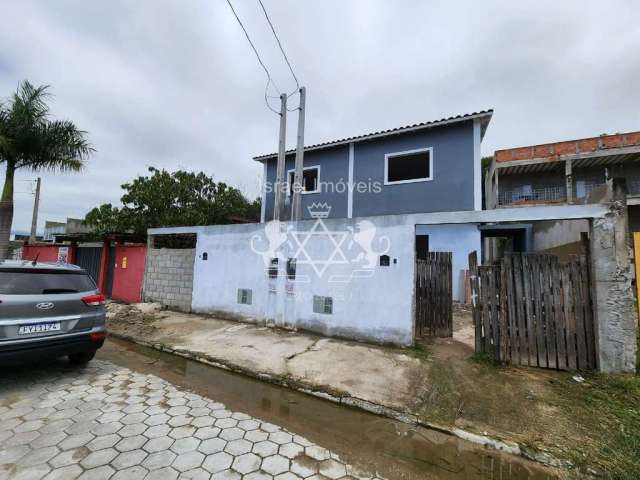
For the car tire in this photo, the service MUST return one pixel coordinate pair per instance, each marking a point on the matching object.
(81, 358)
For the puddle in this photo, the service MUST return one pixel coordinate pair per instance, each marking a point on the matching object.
(393, 449)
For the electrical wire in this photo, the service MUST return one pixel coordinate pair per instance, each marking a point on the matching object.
(266, 70)
(286, 59)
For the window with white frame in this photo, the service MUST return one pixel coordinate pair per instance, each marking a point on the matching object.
(310, 180)
(410, 166)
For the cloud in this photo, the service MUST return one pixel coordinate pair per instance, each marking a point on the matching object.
(175, 84)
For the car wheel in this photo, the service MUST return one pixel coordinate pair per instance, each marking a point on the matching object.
(81, 358)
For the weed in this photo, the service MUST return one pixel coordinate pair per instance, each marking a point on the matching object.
(419, 351)
(609, 407)
(484, 358)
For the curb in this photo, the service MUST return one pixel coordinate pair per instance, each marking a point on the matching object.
(342, 398)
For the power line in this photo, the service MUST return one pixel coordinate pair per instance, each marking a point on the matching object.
(286, 59)
(266, 70)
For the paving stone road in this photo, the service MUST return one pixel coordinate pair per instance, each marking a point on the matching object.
(108, 422)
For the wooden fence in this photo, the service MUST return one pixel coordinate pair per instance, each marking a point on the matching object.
(434, 309)
(530, 309)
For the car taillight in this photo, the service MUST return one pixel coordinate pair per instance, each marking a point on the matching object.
(94, 300)
(95, 336)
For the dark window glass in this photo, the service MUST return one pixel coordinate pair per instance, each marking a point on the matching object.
(39, 282)
(309, 180)
(422, 246)
(413, 166)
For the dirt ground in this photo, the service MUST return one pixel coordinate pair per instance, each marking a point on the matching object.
(442, 382)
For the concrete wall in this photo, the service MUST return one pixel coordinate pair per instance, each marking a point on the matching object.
(554, 233)
(614, 302)
(168, 277)
(453, 170)
(370, 302)
(459, 239)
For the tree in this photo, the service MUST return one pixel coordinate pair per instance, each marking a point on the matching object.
(30, 139)
(166, 199)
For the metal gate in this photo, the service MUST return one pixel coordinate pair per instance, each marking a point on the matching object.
(89, 259)
(434, 312)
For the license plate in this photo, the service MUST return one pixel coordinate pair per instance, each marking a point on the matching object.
(38, 328)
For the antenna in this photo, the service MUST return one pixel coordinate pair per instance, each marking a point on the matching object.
(35, 260)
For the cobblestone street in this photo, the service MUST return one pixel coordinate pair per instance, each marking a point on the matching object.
(108, 422)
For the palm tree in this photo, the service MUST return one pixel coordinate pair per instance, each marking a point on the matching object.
(30, 139)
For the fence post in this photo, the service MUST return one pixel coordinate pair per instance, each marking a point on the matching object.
(475, 300)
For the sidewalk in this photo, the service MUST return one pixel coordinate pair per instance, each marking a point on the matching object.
(382, 377)
(540, 414)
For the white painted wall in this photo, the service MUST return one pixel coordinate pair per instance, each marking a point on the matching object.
(378, 308)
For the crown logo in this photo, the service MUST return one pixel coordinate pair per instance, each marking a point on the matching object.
(319, 210)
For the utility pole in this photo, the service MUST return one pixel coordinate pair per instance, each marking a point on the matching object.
(296, 209)
(281, 158)
(34, 219)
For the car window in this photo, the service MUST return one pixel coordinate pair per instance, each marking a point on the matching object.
(33, 282)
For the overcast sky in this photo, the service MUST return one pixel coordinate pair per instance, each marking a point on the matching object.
(174, 84)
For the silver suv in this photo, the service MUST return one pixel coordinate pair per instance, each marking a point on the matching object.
(49, 309)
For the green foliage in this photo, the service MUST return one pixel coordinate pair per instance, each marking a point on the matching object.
(30, 138)
(611, 404)
(165, 199)
(485, 358)
(419, 351)
(486, 164)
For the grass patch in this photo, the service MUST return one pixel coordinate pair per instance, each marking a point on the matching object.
(607, 407)
(486, 359)
(419, 351)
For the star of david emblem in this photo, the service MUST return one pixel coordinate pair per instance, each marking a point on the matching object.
(319, 229)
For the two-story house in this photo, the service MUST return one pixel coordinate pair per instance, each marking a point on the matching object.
(427, 167)
(566, 172)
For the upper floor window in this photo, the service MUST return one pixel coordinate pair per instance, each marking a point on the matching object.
(310, 180)
(410, 166)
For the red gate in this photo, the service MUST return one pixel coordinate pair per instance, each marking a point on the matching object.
(128, 273)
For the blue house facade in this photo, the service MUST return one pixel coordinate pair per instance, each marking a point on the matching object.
(428, 167)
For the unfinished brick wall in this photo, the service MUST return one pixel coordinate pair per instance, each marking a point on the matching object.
(555, 151)
(169, 277)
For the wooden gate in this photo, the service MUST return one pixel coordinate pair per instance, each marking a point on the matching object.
(434, 313)
(530, 309)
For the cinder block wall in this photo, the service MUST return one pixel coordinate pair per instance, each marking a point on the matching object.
(169, 277)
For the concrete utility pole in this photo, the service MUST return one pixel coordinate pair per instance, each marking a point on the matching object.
(281, 158)
(296, 209)
(34, 219)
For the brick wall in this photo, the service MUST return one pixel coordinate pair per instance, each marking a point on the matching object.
(555, 151)
(169, 277)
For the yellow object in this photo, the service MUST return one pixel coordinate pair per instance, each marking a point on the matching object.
(636, 256)
(124, 262)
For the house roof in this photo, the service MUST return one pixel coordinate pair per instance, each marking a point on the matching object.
(483, 115)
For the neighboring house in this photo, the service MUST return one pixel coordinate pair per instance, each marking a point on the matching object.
(567, 172)
(71, 226)
(427, 167)
(53, 228)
